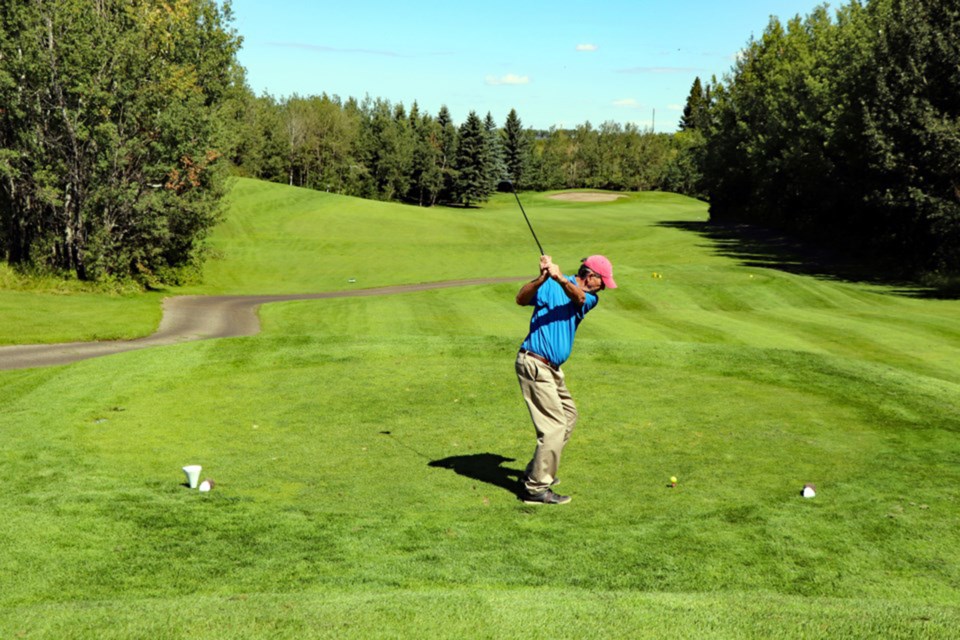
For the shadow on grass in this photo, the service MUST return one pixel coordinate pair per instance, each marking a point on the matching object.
(758, 247)
(484, 467)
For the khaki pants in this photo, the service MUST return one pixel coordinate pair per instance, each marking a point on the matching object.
(554, 415)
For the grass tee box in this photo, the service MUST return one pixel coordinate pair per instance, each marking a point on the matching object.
(364, 449)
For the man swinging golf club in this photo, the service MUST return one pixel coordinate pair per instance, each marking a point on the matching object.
(559, 304)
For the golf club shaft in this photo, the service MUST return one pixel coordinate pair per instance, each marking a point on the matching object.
(526, 218)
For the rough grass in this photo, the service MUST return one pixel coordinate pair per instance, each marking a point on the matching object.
(365, 451)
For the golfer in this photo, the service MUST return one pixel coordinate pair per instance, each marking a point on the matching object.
(559, 304)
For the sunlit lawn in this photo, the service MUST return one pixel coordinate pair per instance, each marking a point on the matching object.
(365, 450)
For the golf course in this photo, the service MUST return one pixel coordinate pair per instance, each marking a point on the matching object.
(366, 449)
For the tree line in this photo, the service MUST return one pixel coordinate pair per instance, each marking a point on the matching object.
(843, 130)
(120, 121)
(374, 149)
(111, 133)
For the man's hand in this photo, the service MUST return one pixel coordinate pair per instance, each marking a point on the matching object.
(549, 269)
(545, 262)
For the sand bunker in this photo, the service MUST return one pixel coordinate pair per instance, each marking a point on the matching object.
(587, 196)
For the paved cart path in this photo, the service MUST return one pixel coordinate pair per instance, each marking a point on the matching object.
(188, 318)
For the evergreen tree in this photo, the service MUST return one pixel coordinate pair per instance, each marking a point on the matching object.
(448, 155)
(425, 179)
(515, 149)
(696, 109)
(431, 150)
(472, 183)
(495, 170)
(401, 160)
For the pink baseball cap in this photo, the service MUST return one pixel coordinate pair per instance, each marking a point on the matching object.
(603, 268)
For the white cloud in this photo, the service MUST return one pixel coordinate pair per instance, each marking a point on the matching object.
(587, 47)
(510, 78)
(628, 103)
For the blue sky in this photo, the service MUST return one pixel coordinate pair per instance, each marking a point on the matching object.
(558, 63)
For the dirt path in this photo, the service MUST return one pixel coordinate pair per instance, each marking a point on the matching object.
(189, 318)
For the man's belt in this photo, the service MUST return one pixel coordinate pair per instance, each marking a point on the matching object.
(537, 356)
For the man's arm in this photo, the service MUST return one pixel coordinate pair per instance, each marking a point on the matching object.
(548, 269)
(528, 292)
(575, 293)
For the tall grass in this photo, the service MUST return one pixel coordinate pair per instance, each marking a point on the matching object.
(365, 449)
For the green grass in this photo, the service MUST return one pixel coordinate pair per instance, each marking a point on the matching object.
(362, 446)
(34, 311)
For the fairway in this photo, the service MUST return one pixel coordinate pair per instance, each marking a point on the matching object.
(365, 449)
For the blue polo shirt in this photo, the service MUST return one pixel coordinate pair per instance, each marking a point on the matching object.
(555, 320)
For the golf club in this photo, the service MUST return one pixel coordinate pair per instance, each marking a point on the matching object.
(510, 184)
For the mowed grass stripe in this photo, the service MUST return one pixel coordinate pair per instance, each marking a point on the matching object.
(338, 434)
(365, 448)
(499, 614)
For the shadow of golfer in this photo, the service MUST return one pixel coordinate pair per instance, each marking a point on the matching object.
(484, 467)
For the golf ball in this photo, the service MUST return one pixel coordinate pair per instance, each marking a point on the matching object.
(673, 479)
